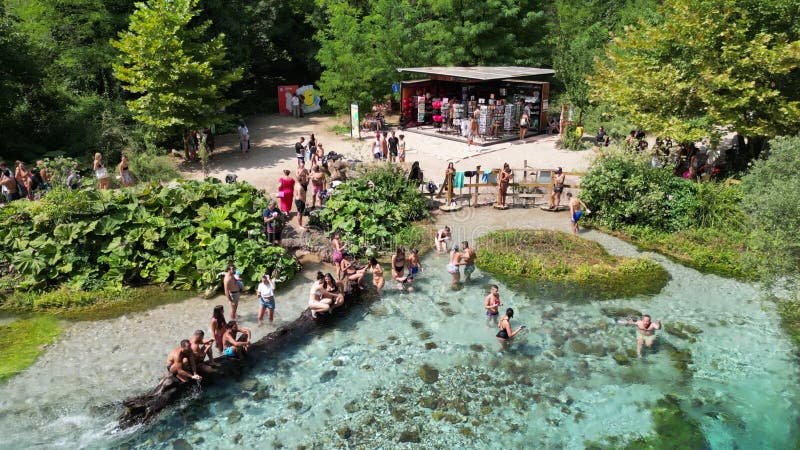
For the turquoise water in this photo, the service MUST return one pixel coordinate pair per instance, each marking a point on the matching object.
(369, 383)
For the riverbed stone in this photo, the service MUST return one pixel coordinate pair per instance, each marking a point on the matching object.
(620, 313)
(351, 406)
(428, 373)
(399, 360)
(416, 324)
(196, 440)
(467, 432)
(476, 347)
(234, 416)
(270, 423)
(424, 335)
(431, 346)
(449, 312)
(165, 435)
(249, 384)
(338, 362)
(621, 359)
(344, 432)
(579, 346)
(181, 444)
(328, 375)
(484, 377)
(261, 394)
(409, 436)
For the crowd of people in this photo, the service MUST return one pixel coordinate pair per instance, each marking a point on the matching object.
(23, 182)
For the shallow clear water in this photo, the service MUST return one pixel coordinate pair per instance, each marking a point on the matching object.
(359, 384)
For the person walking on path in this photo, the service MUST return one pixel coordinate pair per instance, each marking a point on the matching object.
(125, 173)
(300, 152)
(244, 137)
(100, 171)
(286, 191)
(393, 147)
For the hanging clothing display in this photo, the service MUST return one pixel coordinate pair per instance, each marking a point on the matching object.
(483, 120)
(508, 121)
(421, 109)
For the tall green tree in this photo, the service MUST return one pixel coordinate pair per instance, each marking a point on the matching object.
(705, 67)
(178, 76)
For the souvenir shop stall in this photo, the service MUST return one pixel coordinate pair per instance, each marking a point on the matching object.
(495, 98)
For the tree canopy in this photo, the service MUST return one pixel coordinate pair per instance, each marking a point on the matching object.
(704, 67)
(179, 77)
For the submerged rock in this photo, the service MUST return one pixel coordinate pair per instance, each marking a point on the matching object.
(621, 359)
(424, 335)
(579, 346)
(409, 436)
(476, 347)
(416, 324)
(328, 375)
(234, 416)
(164, 435)
(181, 444)
(428, 373)
(428, 402)
(620, 313)
(250, 384)
(431, 345)
(344, 432)
(270, 423)
(351, 406)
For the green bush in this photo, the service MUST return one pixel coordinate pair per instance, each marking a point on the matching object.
(372, 209)
(183, 233)
(771, 192)
(571, 140)
(149, 167)
(622, 189)
(557, 263)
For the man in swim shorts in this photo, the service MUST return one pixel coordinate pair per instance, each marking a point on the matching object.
(468, 257)
(234, 344)
(576, 207)
(180, 362)
(414, 265)
(646, 332)
(455, 262)
(491, 304)
(231, 289)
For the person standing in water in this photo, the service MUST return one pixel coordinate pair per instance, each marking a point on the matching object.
(646, 332)
(399, 266)
(414, 266)
(576, 207)
(442, 238)
(378, 279)
(266, 298)
(453, 267)
(468, 256)
(505, 334)
(491, 304)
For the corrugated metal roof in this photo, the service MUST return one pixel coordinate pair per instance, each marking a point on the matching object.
(480, 72)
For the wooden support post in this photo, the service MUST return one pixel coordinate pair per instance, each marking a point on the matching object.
(450, 178)
(475, 194)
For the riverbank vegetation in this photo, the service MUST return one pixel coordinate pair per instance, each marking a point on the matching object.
(183, 234)
(376, 210)
(558, 263)
(701, 225)
(23, 341)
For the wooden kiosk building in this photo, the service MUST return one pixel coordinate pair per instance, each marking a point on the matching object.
(495, 97)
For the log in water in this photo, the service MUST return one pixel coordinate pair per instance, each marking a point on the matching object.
(143, 408)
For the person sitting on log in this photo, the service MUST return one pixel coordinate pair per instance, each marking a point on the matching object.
(235, 345)
(351, 272)
(202, 348)
(317, 301)
(333, 290)
(179, 360)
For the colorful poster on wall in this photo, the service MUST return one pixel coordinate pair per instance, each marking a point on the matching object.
(355, 129)
(309, 98)
(284, 99)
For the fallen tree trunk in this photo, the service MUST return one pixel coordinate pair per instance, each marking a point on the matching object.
(143, 408)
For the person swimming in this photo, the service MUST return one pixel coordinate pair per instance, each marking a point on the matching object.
(646, 332)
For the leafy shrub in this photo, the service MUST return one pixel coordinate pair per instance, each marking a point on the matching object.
(771, 192)
(552, 262)
(571, 140)
(148, 166)
(622, 189)
(371, 209)
(183, 233)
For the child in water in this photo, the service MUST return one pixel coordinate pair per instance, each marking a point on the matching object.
(239, 282)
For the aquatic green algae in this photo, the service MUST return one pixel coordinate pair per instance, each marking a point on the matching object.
(23, 341)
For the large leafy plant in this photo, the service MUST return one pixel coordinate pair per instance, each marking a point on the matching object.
(184, 233)
(370, 210)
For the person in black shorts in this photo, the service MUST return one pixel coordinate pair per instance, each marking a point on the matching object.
(393, 143)
(300, 151)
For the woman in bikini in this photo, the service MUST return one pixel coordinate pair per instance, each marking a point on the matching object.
(125, 173)
(317, 302)
(351, 272)
(333, 289)
(399, 265)
(218, 326)
(377, 274)
(505, 334)
(503, 181)
(100, 171)
(442, 238)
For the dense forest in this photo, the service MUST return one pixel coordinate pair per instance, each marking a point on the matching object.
(89, 75)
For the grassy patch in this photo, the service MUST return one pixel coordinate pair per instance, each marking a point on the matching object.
(707, 250)
(340, 129)
(23, 341)
(93, 305)
(552, 262)
(419, 235)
